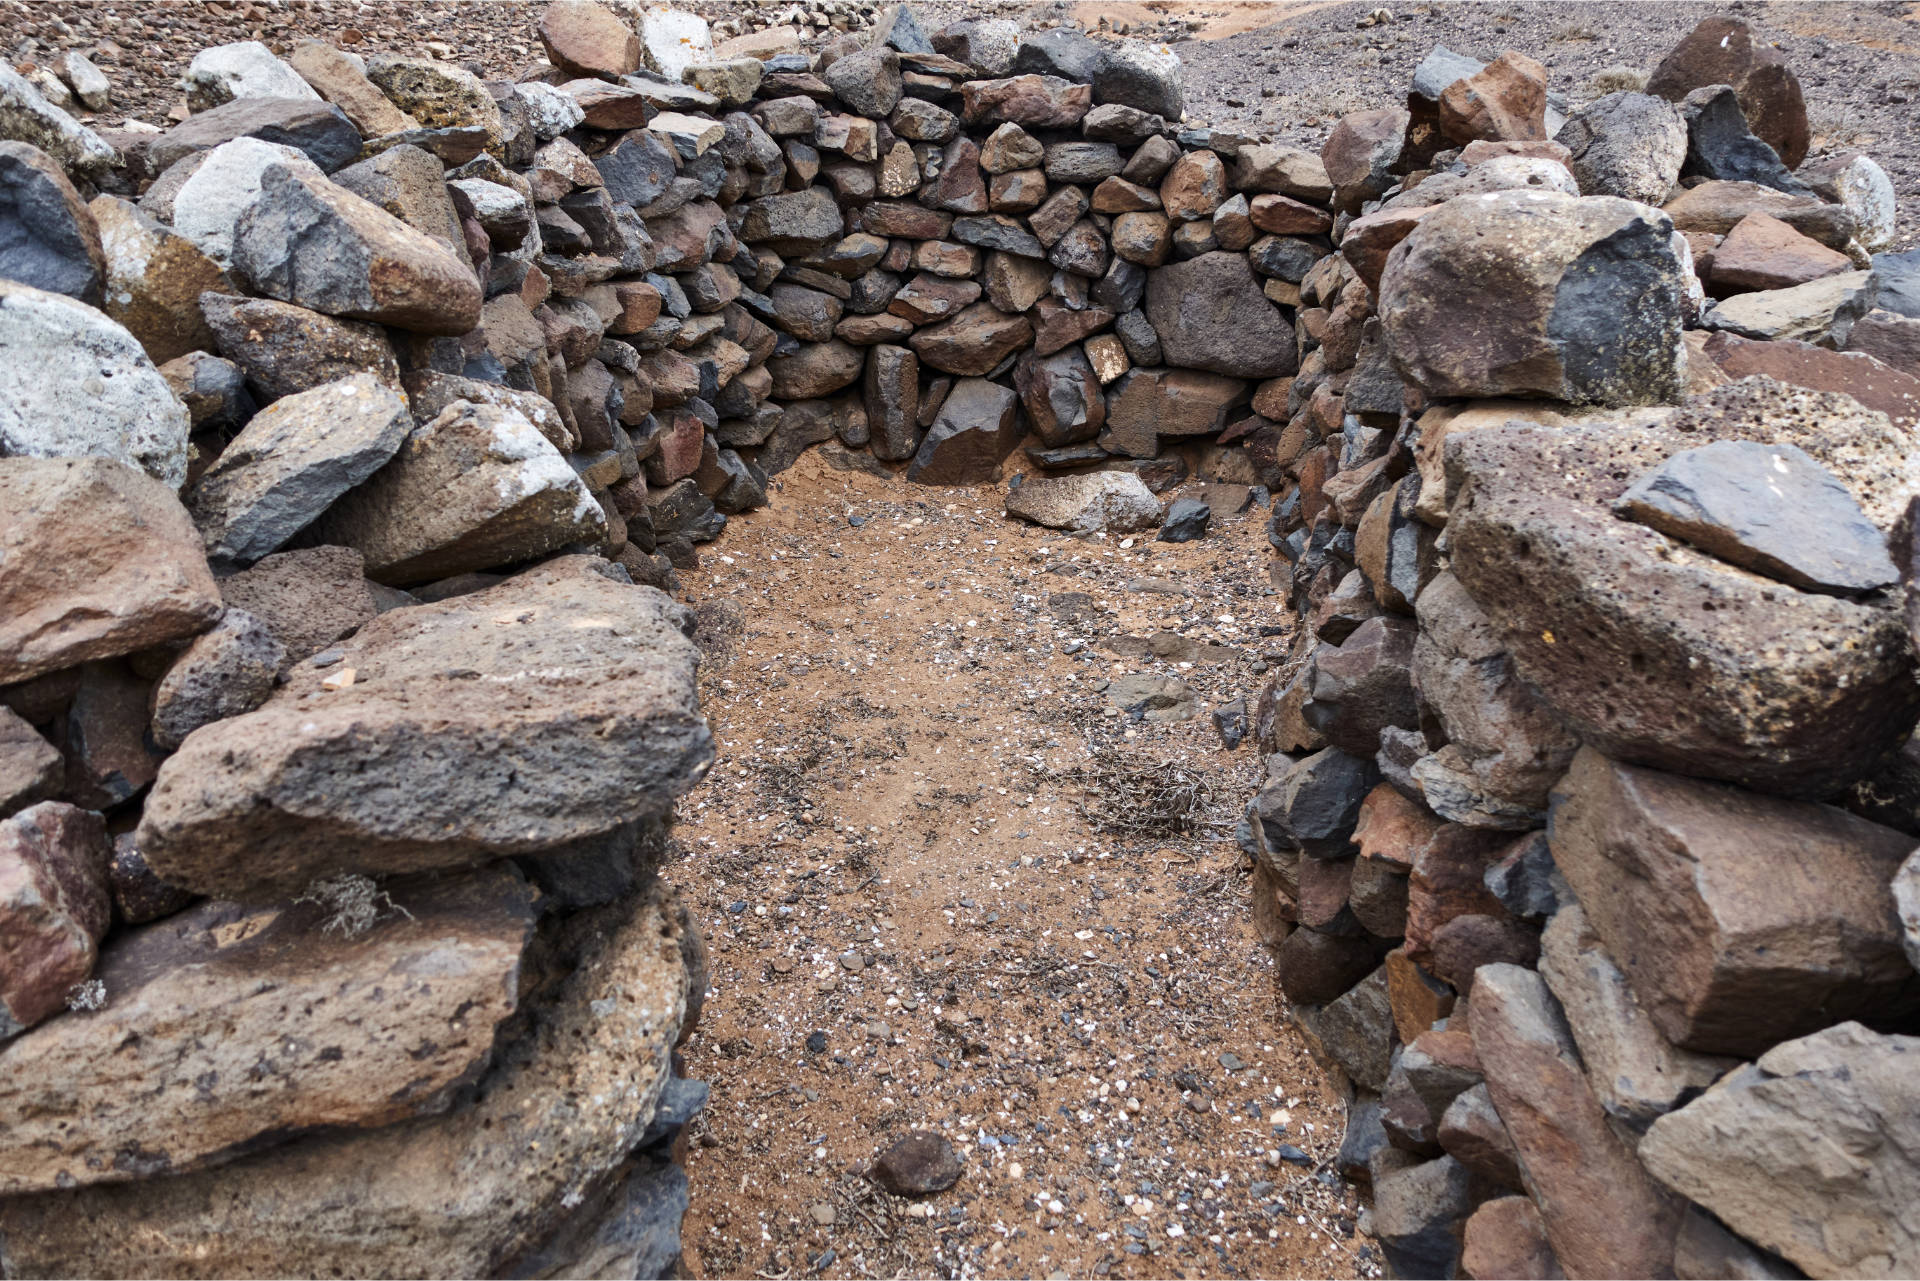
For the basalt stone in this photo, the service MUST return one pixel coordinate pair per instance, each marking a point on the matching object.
(1361, 154)
(1768, 508)
(242, 808)
(226, 671)
(1504, 100)
(1147, 405)
(318, 130)
(868, 82)
(1499, 734)
(1706, 895)
(75, 384)
(48, 238)
(1661, 674)
(977, 426)
(1756, 1151)
(1420, 1216)
(1471, 1132)
(308, 598)
(921, 1164)
(1186, 521)
(801, 222)
(1585, 1182)
(1316, 804)
(1589, 294)
(1629, 145)
(816, 369)
(31, 768)
(638, 169)
(408, 1009)
(1721, 148)
(377, 268)
(1062, 396)
(1506, 1237)
(154, 279)
(1363, 686)
(1209, 314)
(474, 488)
(972, 342)
(68, 597)
(586, 39)
(292, 461)
(893, 401)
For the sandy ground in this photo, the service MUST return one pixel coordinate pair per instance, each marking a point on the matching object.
(897, 858)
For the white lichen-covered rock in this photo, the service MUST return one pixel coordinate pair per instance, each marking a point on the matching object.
(27, 116)
(1116, 502)
(88, 81)
(246, 69)
(552, 112)
(1854, 181)
(476, 488)
(673, 40)
(73, 384)
(208, 206)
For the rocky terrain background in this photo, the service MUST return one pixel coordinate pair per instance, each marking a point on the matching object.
(363, 413)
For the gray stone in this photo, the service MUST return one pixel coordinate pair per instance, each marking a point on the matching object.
(1315, 805)
(226, 671)
(1505, 748)
(1114, 502)
(313, 244)
(1420, 1215)
(1721, 147)
(318, 130)
(222, 185)
(1471, 1132)
(1635, 1072)
(284, 349)
(1768, 508)
(1355, 1029)
(1906, 900)
(1629, 145)
(1144, 76)
(1062, 396)
(1526, 881)
(587, 743)
(1209, 313)
(293, 461)
(48, 238)
(26, 116)
(246, 69)
(868, 81)
(1706, 1251)
(1808, 1152)
(976, 428)
(74, 384)
(1817, 312)
(1186, 521)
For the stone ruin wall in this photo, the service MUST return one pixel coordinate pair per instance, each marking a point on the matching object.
(406, 377)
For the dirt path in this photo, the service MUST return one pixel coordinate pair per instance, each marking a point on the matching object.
(912, 924)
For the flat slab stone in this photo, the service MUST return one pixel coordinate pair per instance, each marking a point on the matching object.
(461, 1194)
(1768, 508)
(551, 708)
(228, 1025)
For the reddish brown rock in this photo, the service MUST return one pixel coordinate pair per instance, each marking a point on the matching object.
(585, 39)
(54, 908)
(1506, 1240)
(1449, 880)
(1720, 51)
(68, 595)
(1739, 919)
(1584, 1181)
(307, 598)
(1894, 392)
(1761, 252)
(1371, 237)
(1393, 829)
(30, 766)
(973, 342)
(1036, 102)
(1194, 187)
(1360, 154)
(1504, 101)
(233, 1023)
(1418, 999)
(1283, 216)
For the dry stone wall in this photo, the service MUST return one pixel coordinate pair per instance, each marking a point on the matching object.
(336, 740)
(1587, 850)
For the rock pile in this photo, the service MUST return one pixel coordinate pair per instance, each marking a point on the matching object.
(1587, 850)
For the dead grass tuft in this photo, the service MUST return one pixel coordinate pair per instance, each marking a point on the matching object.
(1128, 797)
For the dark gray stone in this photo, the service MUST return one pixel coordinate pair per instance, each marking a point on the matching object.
(976, 428)
(1210, 314)
(1420, 1215)
(318, 129)
(1187, 521)
(1720, 146)
(47, 237)
(920, 1164)
(1061, 52)
(868, 82)
(1768, 508)
(638, 169)
(1314, 807)
(1526, 881)
(995, 231)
